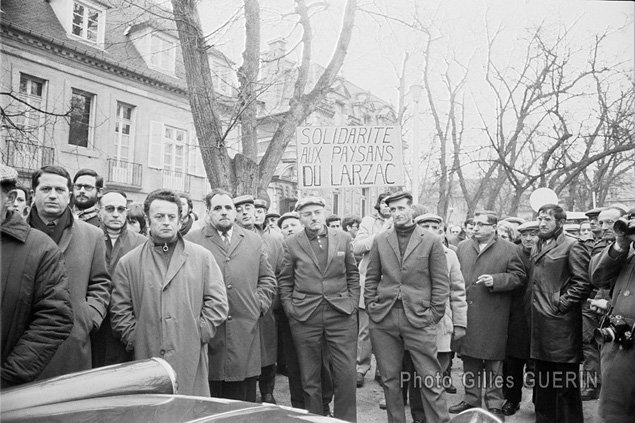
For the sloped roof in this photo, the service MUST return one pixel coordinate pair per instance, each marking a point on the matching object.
(36, 18)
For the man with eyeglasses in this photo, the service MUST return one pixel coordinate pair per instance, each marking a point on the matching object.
(84, 251)
(559, 284)
(87, 189)
(492, 269)
(319, 291)
(113, 214)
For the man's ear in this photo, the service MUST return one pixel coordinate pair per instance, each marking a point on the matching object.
(100, 192)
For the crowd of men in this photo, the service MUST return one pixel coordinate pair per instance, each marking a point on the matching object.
(229, 299)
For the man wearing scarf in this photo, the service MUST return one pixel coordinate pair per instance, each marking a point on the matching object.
(113, 215)
(559, 284)
(84, 254)
(169, 298)
(87, 189)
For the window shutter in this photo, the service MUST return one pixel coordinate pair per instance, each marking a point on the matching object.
(155, 153)
(195, 158)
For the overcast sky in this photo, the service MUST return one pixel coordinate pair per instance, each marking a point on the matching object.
(378, 45)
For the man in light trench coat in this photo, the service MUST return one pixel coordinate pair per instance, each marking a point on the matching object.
(169, 299)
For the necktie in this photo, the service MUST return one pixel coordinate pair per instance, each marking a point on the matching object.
(226, 239)
(50, 227)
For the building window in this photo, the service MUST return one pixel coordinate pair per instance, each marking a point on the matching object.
(31, 92)
(80, 118)
(363, 202)
(336, 203)
(174, 144)
(123, 131)
(162, 53)
(85, 22)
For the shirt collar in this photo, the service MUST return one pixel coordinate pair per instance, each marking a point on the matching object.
(312, 235)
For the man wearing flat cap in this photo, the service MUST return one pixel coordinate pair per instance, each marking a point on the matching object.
(518, 331)
(406, 292)
(319, 291)
(250, 216)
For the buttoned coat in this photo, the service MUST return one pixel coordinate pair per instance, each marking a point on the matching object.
(89, 284)
(488, 308)
(234, 352)
(419, 278)
(171, 312)
(303, 284)
(559, 284)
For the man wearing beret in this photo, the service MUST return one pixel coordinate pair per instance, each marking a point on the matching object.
(406, 292)
(319, 291)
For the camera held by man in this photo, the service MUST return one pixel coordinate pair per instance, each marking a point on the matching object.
(615, 329)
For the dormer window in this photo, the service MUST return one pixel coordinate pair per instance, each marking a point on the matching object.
(162, 53)
(86, 22)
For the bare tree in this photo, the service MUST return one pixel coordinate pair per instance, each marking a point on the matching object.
(243, 173)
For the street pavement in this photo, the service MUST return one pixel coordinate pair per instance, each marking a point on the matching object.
(370, 395)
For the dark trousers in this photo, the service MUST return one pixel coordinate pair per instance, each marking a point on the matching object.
(244, 390)
(513, 372)
(293, 368)
(390, 338)
(339, 331)
(483, 375)
(591, 365)
(267, 379)
(558, 397)
(617, 397)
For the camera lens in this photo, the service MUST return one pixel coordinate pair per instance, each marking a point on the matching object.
(603, 336)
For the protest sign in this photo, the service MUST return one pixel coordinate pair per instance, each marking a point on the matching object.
(349, 156)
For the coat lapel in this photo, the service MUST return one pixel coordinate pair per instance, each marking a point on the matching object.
(414, 241)
(333, 242)
(537, 255)
(303, 240)
(212, 234)
(67, 235)
(178, 260)
(394, 244)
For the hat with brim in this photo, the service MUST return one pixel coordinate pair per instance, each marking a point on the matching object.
(243, 199)
(528, 226)
(593, 213)
(398, 196)
(309, 201)
(428, 217)
(259, 203)
(288, 215)
(8, 175)
(272, 214)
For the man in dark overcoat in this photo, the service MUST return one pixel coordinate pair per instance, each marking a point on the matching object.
(319, 291)
(559, 284)
(35, 310)
(234, 352)
(492, 269)
(84, 253)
